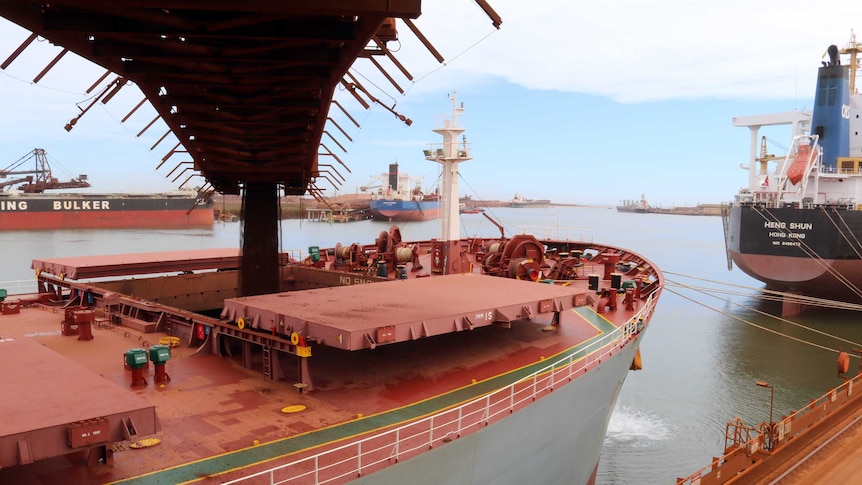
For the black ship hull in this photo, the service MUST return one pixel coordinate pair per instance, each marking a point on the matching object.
(815, 252)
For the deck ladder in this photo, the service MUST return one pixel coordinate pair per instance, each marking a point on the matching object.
(266, 361)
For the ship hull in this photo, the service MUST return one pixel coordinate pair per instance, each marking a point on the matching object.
(400, 210)
(34, 212)
(635, 210)
(807, 251)
(527, 447)
(532, 204)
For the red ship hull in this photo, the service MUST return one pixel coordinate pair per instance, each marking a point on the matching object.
(405, 210)
(401, 215)
(102, 212)
(111, 220)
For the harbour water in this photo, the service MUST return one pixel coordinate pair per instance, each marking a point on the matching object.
(702, 354)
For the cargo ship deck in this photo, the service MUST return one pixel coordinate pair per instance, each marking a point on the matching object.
(451, 349)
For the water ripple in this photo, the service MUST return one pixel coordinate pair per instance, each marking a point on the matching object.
(636, 428)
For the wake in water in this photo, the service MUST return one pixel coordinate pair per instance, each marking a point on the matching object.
(636, 428)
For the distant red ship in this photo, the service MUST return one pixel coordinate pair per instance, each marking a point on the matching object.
(28, 207)
(94, 211)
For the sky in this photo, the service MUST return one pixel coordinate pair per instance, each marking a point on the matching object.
(585, 103)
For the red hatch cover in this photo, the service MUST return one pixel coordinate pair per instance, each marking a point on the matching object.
(52, 405)
(366, 315)
(139, 263)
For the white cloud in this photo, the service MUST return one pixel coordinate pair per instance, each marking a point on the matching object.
(626, 50)
(634, 51)
(629, 51)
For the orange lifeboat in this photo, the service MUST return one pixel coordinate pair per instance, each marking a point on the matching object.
(800, 164)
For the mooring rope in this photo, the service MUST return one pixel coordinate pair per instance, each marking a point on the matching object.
(747, 322)
(773, 295)
(708, 291)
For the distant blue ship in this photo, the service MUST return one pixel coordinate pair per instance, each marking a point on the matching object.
(401, 202)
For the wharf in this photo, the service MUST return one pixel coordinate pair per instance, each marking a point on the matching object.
(820, 443)
(338, 215)
(828, 453)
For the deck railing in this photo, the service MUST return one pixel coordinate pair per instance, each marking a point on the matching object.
(379, 450)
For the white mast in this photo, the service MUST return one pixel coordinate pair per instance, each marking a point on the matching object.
(448, 154)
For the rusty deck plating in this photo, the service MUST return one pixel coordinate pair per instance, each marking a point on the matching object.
(82, 267)
(382, 366)
(364, 316)
(53, 406)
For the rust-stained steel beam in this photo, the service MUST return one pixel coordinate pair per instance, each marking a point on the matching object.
(118, 85)
(186, 169)
(329, 153)
(169, 154)
(424, 40)
(334, 183)
(29, 40)
(50, 65)
(336, 103)
(333, 169)
(160, 140)
(147, 127)
(339, 128)
(356, 95)
(386, 74)
(130, 113)
(496, 20)
(392, 58)
(336, 141)
(93, 102)
(354, 87)
(98, 81)
(262, 72)
(178, 166)
(187, 181)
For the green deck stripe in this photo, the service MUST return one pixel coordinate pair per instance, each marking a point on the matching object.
(242, 458)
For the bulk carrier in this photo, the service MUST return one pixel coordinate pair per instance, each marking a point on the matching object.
(451, 360)
(25, 203)
(797, 226)
(484, 359)
(400, 198)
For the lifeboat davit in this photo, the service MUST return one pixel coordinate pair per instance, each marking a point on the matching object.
(800, 164)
